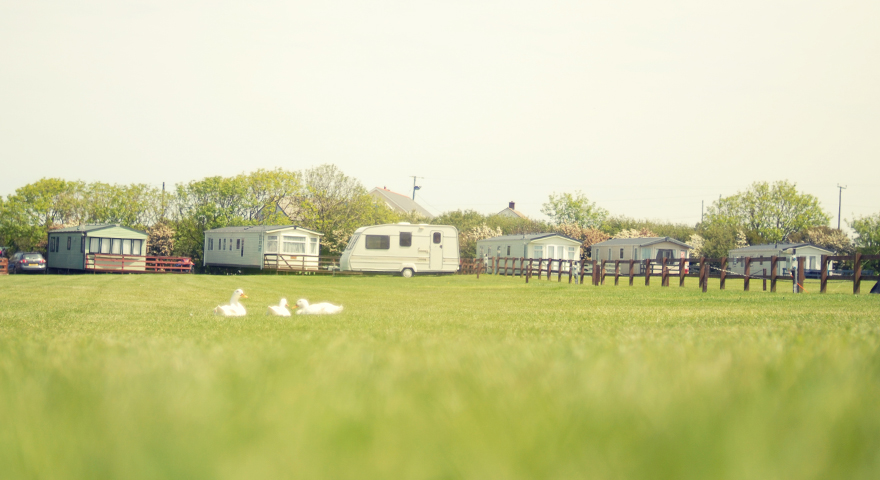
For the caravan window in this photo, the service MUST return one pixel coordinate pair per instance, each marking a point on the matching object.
(437, 237)
(551, 251)
(272, 244)
(313, 245)
(539, 251)
(353, 241)
(291, 244)
(136, 247)
(117, 246)
(94, 245)
(105, 245)
(126, 247)
(405, 239)
(378, 242)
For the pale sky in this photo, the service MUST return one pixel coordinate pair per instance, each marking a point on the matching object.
(647, 107)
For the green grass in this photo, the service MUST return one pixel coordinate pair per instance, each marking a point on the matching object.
(131, 377)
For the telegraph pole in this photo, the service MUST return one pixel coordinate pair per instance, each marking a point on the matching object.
(839, 201)
(415, 187)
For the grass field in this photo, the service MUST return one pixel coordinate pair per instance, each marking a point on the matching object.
(132, 377)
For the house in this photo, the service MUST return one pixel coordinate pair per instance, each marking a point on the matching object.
(639, 249)
(74, 248)
(787, 252)
(512, 212)
(261, 246)
(532, 245)
(399, 203)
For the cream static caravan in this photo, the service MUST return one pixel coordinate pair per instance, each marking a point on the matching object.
(262, 246)
(402, 248)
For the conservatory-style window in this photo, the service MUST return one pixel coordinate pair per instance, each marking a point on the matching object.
(126, 247)
(105, 245)
(292, 244)
(551, 251)
(313, 245)
(136, 247)
(117, 246)
(571, 252)
(272, 244)
(539, 251)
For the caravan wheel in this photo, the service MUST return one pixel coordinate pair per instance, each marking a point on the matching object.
(407, 272)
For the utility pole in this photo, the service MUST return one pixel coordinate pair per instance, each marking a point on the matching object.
(839, 201)
(415, 187)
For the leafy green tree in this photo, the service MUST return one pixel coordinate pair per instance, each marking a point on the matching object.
(32, 209)
(867, 239)
(679, 231)
(768, 212)
(825, 237)
(574, 209)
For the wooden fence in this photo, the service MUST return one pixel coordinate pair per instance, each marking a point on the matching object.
(106, 262)
(4, 266)
(666, 269)
(304, 264)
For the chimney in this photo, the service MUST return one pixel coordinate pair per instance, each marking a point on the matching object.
(512, 206)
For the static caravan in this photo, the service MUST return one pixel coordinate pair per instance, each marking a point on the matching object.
(787, 253)
(74, 248)
(402, 248)
(640, 249)
(284, 247)
(533, 245)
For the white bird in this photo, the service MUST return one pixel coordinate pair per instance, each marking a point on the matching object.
(317, 309)
(235, 308)
(279, 310)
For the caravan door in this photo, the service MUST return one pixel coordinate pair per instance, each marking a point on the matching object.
(436, 262)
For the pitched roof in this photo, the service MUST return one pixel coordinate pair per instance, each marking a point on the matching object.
(640, 242)
(776, 246)
(93, 227)
(510, 212)
(399, 203)
(261, 229)
(529, 237)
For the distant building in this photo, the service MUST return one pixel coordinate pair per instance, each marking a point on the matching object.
(74, 248)
(639, 249)
(511, 211)
(262, 246)
(787, 252)
(400, 203)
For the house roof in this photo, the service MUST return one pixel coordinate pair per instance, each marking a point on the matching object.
(510, 212)
(776, 247)
(94, 227)
(640, 242)
(528, 237)
(399, 203)
(261, 229)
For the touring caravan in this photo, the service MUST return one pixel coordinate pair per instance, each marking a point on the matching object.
(402, 248)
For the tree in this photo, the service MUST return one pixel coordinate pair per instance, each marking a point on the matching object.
(825, 237)
(678, 231)
(161, 240)
(768, 212)
(336, 205)
(634, 233)
(468, 239)
(867, 239)
(575, 209)
(31, 210)
(587, 237)
(696, 241)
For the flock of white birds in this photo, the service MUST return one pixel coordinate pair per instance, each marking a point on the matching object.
(236, 309)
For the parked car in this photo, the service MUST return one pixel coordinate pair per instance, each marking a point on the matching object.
(23, 262)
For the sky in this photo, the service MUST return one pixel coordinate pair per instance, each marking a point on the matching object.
(651, 109)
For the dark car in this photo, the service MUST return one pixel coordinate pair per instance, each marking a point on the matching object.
(23, 262)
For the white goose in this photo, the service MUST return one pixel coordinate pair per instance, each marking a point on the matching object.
(235, 308)
(303, 308)
(279, 310)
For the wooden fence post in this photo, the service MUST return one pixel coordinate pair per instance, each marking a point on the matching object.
(765, 279)
(774, 262)
(664, 273)
(616, 272)
(857, 274)
(802, 276)
(570, 271)
(704, 274)
(647, 272)
(602, 273)
(681, 272)
(723, 275)
(595, 278)
(632, 268)
(746, 273)
(582, 271)
(559, 274)
(823, 286)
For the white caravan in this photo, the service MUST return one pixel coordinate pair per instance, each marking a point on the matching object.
(404, 248)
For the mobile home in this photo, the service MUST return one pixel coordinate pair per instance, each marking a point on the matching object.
(74, 248)
(285, 247)
(532, 246)
(787, 253)
(403, 248)
(640, 249)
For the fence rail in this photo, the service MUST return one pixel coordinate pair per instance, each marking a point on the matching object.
(4, 266)
(304, 263)
(108, 262)
(666, 269)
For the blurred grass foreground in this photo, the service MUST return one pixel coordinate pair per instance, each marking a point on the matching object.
(132, 377)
